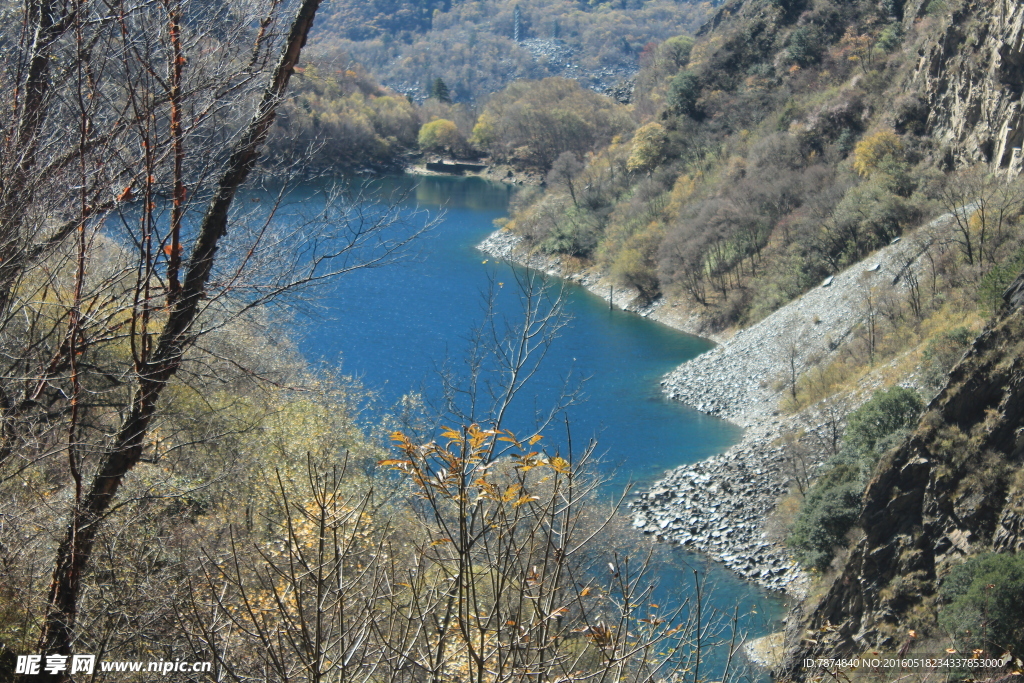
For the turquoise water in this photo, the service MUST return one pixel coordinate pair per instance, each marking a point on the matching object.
(394, 327)
(397, 327)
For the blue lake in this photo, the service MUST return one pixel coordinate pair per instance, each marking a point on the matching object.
(395, 327)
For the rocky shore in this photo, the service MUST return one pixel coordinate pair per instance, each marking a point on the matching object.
(505, 245)
(499, 173)
(721, 506)
(717, 506)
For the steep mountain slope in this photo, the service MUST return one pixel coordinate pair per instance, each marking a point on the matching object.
(972, 76)
(954, 489)
(798, 137)
(788, 141)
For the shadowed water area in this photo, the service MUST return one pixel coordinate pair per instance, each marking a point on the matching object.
(397, 326)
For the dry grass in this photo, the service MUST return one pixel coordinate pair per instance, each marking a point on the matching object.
(767, 651)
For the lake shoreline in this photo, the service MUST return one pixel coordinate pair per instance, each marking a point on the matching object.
(719, 506)
(505, 245)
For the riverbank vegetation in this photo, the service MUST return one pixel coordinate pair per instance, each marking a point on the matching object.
(433, 55)
(534, 123)
(338, 119)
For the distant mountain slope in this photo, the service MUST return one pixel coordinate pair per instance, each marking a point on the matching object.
(472, 44)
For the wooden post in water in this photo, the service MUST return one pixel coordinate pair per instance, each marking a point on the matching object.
(611, 296)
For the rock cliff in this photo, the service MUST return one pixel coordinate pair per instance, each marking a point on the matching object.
(972, 77)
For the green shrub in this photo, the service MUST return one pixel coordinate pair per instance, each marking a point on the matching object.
(805, 46)
(676, 51)
(683, 92)
(890, 38)
(871, 214)
(829, 511)
(845, 142)
(983, 599)
(573, 236)
(440, 135)
(997, 279)
(886, 413)
(833, 504)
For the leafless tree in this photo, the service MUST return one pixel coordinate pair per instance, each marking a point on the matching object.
(566, 170)
(870, 324)
(682, 261)
(798, 460)
(912, 286)
(983, 206)
(792, 353)
(833, 412)
(497, 575)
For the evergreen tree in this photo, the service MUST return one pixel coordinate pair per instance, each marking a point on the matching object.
(683, 92)
(439, 91)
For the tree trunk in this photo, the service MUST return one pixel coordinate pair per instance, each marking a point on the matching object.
(125, 450)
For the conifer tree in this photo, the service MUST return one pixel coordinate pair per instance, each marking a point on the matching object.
(439, 91)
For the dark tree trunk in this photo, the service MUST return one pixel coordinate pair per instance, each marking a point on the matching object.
(125, 450)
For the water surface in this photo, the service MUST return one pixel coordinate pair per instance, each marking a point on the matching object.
(397, 327)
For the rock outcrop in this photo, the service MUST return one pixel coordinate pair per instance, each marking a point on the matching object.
(972, 77)
(719, 506)
(955, 488)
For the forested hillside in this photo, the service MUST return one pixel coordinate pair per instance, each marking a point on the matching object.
(786, 142)
(446, 59)
(477, 49)
(376, 72)
(337, 118)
